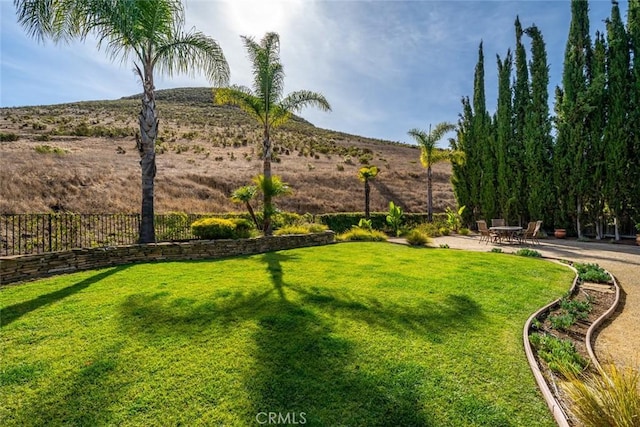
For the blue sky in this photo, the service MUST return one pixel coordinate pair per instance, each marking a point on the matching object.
(385, 66)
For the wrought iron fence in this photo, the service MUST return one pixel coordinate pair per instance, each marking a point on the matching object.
(38, 233)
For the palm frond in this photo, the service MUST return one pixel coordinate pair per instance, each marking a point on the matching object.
(243, 98)
(428, 143)
(61, 20)
(190, 52)
(295, 101)
(268, 72)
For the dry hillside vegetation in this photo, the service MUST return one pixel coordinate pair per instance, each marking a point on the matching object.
(81, 157)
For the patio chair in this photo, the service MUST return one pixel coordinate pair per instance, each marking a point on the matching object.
(497, 222)
(527, 233)
(486, 234)
(533, 236)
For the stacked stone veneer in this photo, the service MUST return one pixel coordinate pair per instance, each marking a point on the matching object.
(26, 267)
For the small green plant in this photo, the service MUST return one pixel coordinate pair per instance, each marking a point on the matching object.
(560, 355)
(562, 322)
(394, 217)
(444, 246)
(417, 238)
(496, 250)
(365, 224)
(579, 309)
(536, 323)
(454, 218)
(529, 253)
(463, 231)
(592, 273)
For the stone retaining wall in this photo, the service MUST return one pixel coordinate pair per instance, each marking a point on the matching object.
(26, 267)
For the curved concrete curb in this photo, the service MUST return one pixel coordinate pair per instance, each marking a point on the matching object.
(596, 324)
(552, 403)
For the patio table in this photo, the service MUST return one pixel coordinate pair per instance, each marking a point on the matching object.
(506, 231)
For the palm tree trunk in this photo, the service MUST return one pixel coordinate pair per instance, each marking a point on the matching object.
(429, 196)
(266, 166)
(253, 215)
(367, 191)
(146, 143)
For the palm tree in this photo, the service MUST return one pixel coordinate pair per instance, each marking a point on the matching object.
(266, 102)
(365, 174)
(245, 195)
(430, 154)
(148, 31)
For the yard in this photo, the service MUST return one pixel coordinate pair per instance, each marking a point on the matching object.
(352, 334)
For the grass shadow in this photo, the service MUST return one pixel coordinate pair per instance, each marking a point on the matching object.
(14, 312)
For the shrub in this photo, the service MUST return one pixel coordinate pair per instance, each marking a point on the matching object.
(560, 355)
(429, 229)
(444, 231)
(300, 229)
(609, 397)
(464, 231)
(48, 149)
(529, 252)
(8, 137)
(362, 235)
(171, 225)
(444, 246)
(220, 228)
(243, 229)
(417, 238)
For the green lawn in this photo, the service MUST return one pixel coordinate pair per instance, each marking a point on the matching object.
(355, 334)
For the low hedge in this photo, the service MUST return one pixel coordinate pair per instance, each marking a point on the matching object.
(221, 228)
(343, 221)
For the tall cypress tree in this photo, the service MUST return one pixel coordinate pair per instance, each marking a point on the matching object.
(538, 140)
(616, 132)
(633, 30)
(569, 151)
(521, 103)
(484, 187)
(504, 134)
(464, 172)
(596, 120)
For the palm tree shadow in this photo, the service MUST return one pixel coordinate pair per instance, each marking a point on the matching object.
(274, 267)
(14, 312)
(301, 362)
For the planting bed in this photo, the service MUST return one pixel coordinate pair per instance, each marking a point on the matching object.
(599, 298)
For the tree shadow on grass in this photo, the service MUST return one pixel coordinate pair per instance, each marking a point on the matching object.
(14, 312)
(302, 363)
(83, 397)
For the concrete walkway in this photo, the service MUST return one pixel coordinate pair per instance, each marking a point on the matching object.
(619, 340)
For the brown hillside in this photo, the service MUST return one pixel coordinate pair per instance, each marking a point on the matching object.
(81, 157)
